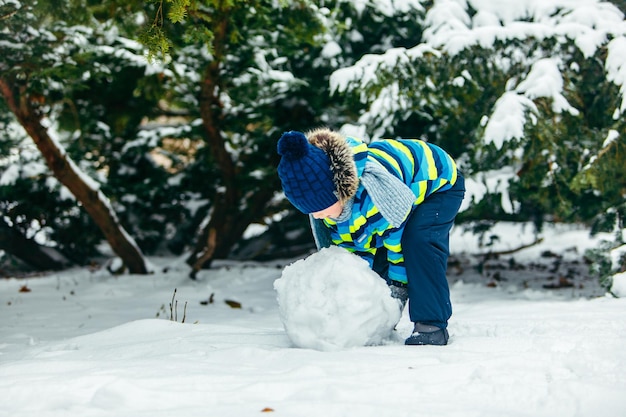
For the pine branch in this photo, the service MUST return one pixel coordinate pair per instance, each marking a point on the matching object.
(8, 15)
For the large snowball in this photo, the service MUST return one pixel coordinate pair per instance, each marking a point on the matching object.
(333, 300)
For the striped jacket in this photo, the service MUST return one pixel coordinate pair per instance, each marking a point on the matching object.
(422, 166)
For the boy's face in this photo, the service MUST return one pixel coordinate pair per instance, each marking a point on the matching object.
(333, 212)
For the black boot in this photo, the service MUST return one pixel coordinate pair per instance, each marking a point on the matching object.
(424, 334)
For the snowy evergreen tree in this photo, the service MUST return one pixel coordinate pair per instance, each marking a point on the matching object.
(45, 61)
(526, 94)
(241, 74)
(529, 95)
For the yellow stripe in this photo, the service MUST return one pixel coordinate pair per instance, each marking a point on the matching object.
(454, 172)
(373, 210)
(422, 192)
(387, 158)
(358, 222)
(359, 148)
(428, 153)
(405, 150)
(395, 248)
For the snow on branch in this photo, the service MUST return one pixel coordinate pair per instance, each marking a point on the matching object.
(611, 138)
(453, 26)
(616, 69)
(383, 106)
(491, 182)
(588, 23)
(545, 81)
(386, 7)
(508, 118)
(365, 70)
(509, 115)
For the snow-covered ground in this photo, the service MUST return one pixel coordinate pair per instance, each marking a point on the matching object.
(530, 336)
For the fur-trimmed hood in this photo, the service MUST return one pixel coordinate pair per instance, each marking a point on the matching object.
(342, 163)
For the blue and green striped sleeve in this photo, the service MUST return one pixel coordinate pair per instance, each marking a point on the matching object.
(424, 167)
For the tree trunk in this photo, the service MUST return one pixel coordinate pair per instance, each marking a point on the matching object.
(225, 228)
(228, 221)
(89, 195)
(215, 235)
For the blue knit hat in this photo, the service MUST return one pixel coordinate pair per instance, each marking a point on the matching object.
(305, 174)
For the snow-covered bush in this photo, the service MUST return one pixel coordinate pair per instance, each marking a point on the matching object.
(528, 91)
(608, 263)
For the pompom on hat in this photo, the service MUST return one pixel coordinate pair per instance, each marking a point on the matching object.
(305, 173)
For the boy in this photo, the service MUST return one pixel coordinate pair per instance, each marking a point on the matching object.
(392, 202)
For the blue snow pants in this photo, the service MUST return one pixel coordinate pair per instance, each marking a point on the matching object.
(426, 247)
